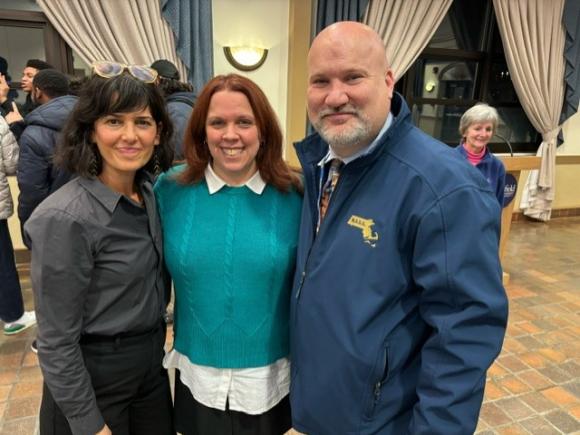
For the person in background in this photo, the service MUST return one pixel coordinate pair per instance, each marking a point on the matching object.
(37, 176)
(11, 304)
(33, 66)
(97, 266)
(14, 114)
(477, 126)
(398, 307)
(8, 108)
(7, 95)
(180, 100)
(230, 220)
(75, 84)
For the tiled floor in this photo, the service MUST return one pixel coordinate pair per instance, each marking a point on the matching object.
(533, 388)
(534, 385)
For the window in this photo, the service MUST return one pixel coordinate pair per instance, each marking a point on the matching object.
(26, 33)
(464, 63)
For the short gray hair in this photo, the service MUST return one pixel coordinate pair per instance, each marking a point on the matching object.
(477, 114)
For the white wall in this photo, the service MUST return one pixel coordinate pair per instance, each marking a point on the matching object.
(20, 5)
(261, 23)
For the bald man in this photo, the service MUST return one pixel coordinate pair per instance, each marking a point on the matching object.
(398, 308)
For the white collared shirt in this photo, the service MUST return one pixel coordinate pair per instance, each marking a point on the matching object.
(252, 390)
(214, 183)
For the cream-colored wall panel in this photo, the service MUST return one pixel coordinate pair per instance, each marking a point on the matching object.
(261, 23)
(299, 30)
(567, 176)
(13, 222)
(567, 192)
(571, 132)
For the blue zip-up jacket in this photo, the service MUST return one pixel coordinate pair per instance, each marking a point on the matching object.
(37, 176)
(492, 169)
(398, 307)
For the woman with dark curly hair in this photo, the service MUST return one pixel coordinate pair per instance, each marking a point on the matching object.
(230, 220)
(97, 265)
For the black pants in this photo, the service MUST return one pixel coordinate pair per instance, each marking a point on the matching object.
(130, 383)
(11, 306)
(194, 418)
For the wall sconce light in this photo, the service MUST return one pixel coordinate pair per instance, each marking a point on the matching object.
(430, 86)
(246, 58)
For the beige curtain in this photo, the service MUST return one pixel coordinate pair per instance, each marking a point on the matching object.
(406, 27)
(129, 31)
(533, 39)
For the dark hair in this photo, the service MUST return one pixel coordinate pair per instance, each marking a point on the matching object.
(170, 86)
(51, 82)
(38, 64)
(76, 84)
(100, 97)
(3, 66)
(165, 69)
(273, 169)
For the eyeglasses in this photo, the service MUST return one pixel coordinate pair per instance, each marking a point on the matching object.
(108, 69)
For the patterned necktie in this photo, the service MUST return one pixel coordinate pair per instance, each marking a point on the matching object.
(328, 188)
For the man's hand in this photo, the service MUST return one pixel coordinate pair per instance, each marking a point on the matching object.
(105, 431)
(13, 116)
(4, 89)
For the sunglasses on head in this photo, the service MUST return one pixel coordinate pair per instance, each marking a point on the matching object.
(108, 69)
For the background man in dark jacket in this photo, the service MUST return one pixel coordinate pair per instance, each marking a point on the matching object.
(180, 99)
(37, 177)
(398, 308)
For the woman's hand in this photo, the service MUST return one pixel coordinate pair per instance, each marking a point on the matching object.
(105, 431)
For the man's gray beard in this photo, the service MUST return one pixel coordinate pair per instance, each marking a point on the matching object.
(344, 139)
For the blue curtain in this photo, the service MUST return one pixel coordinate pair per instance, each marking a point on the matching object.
(331, 11)
(191, 21)
(571, 21)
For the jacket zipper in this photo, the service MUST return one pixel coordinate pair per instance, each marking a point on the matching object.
(302, 279)
(377, 387)
(376, 396)
(377, 393)
(303, 276)
(317, 205)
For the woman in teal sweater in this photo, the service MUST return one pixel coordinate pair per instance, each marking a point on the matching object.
(230, 220)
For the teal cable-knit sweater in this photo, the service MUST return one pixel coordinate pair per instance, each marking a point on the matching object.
(231, 256)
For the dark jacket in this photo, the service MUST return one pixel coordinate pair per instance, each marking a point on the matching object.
(398, 307)
(492, 169)
(28, 106)
(37, 177)
(179, 107)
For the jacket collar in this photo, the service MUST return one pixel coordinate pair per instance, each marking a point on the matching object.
(330, 155)
(53, 113)
(312, 149)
